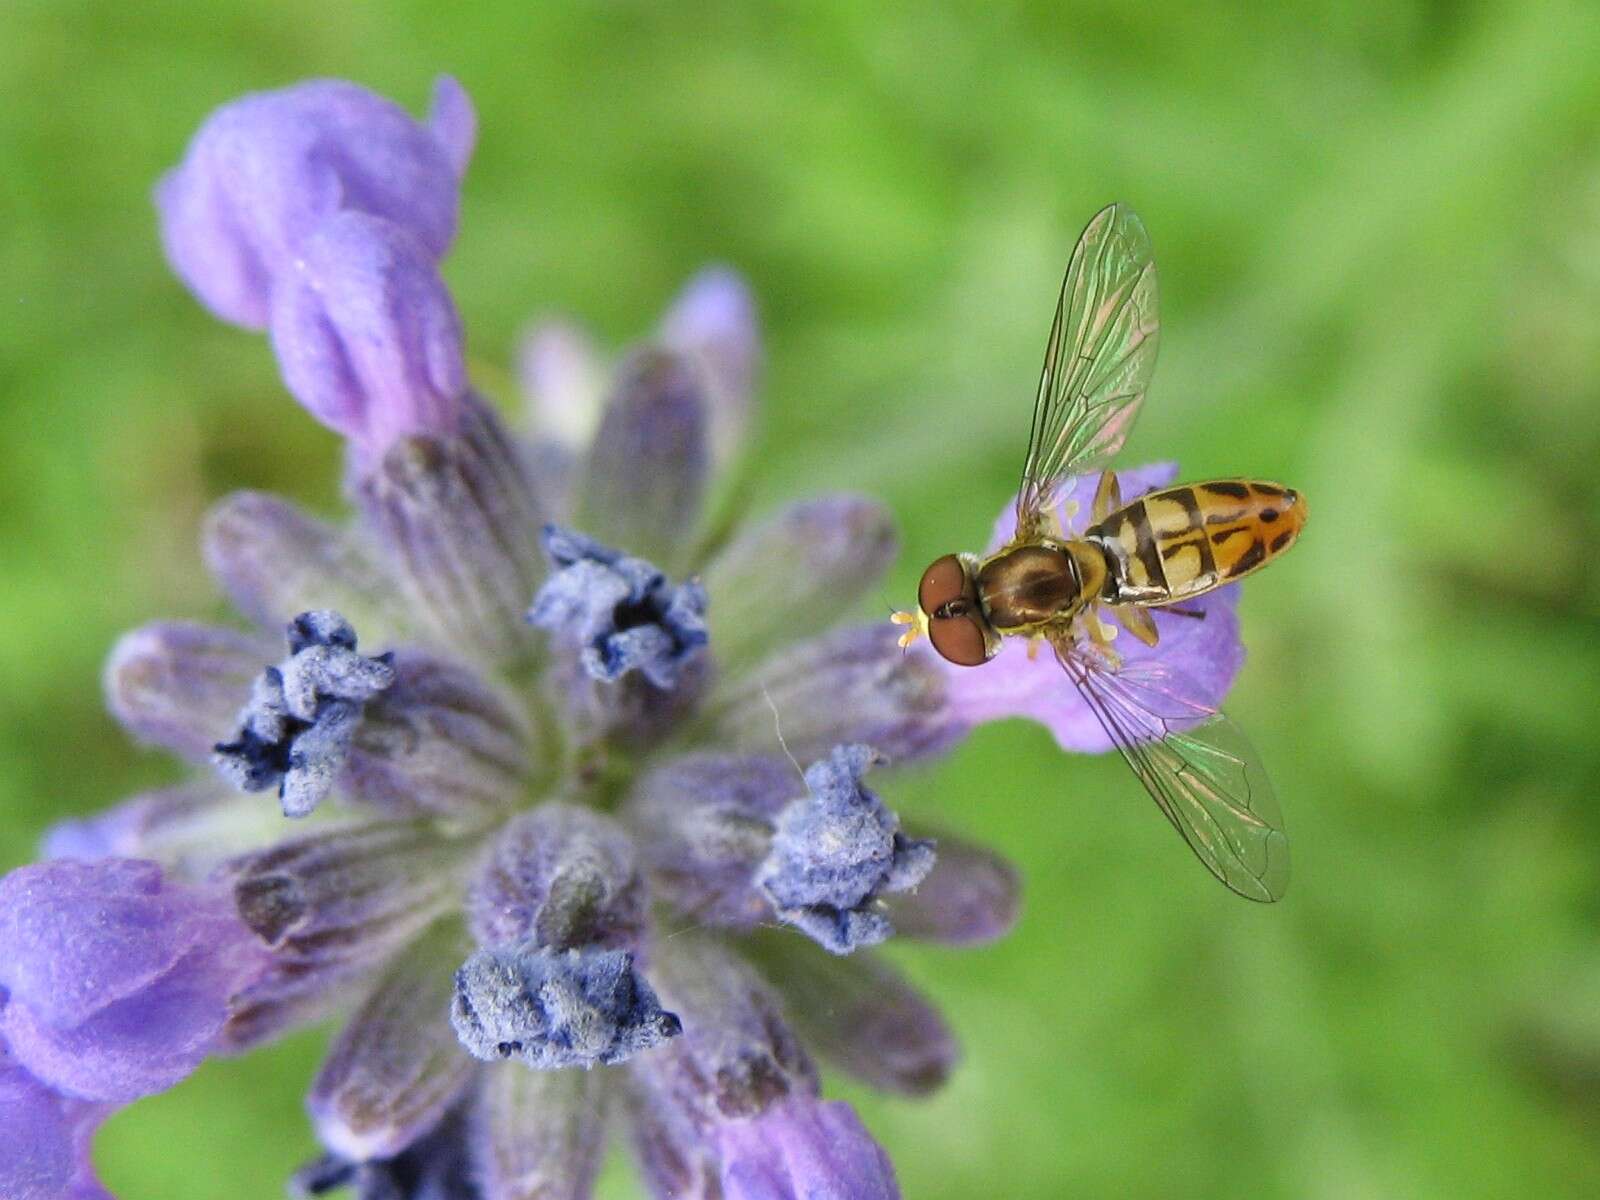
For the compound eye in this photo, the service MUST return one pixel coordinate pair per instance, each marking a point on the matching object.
(945, 580)
(959, 639)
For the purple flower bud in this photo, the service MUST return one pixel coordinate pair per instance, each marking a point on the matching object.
(334, 907)
(44, 1139)
(835, 851)
(848, 685)
(621, 611)
(296, 731)
(395, 1069)
(804, 1150)
(124, 831)
(1197, 658)
(190, 827)
(177, 684)
(274, 561)
(538, 1135)
(440, 740)
(560, 877)
(117, 983)
(738, 1055)
(563, 376)
(551, 1009)
(860, 1013)
(367, 336)
(706, 823)
(972, 896)
(796, 573)
(645, 477)
(713, 322)
(458, 519)
(268, 169)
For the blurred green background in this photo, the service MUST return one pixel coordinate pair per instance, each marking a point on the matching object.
(1378, 228)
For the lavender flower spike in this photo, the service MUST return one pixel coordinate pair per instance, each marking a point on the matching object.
(835, 851)
(297, 729)
(490, 783)
(623, 613)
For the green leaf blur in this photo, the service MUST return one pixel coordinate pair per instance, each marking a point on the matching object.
(1378, 231)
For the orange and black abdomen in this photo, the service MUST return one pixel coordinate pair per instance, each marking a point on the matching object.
(1177, 543)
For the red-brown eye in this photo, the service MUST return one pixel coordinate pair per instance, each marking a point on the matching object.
(944, 581)
(959, 639)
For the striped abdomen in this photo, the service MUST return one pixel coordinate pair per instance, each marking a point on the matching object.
(1180, 542)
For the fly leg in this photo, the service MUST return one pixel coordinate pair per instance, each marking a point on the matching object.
(1138, 622)
(1107, 498)
(1101, 634)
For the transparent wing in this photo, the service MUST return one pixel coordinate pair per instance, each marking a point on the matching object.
(1194, 762)
(1097, 363)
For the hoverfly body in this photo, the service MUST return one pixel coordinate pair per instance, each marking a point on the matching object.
(1161, 549)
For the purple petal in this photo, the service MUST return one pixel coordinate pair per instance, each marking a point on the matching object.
(453, 121)
(119, 982)
(266, 170)
(44, 1139)
(804, 1150)
(367, 336)
(1200, 657)
(1203, 656)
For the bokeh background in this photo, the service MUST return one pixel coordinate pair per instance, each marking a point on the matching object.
(1378, 230)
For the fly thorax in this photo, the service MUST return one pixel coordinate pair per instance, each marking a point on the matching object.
(1029, 586)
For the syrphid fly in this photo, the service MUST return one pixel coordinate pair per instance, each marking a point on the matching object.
(1050, 584)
